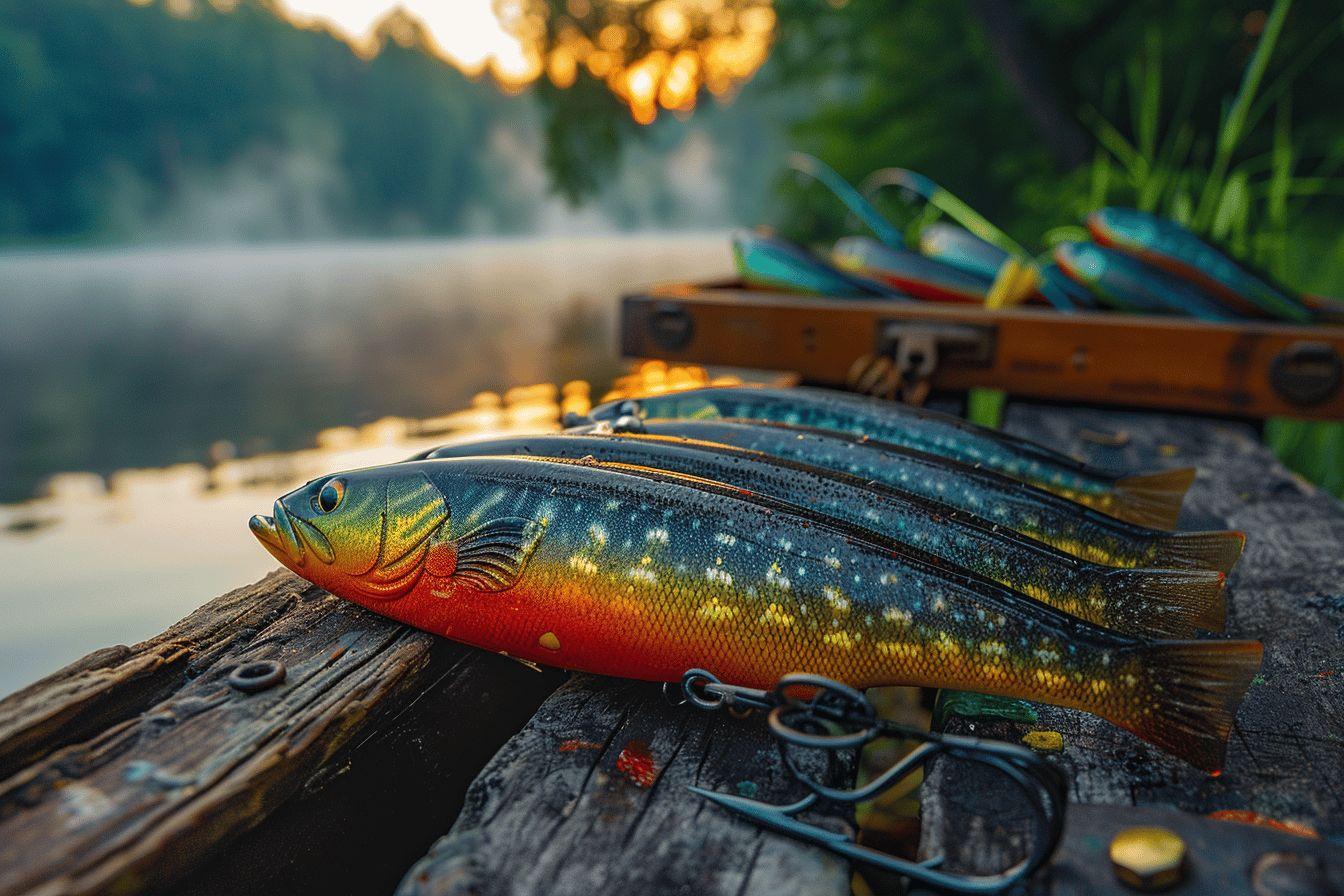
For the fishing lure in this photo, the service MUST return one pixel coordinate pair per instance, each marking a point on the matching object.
(1152, 499)
(766, 260)
(958, 247)
(909, 272)
(1062, 289)
(1165, 244)
(1162, 603)
(639, 575)
(1128, 284)
(813, 713)
(953, 246)
(1041, 515)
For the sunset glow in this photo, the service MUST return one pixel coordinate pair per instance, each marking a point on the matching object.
(467, 33)
(653, 54)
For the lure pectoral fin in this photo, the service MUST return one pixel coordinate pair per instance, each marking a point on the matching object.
(490, 557)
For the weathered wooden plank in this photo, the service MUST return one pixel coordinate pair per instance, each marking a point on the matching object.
(1222, 857)
(1288, 591)
(164, 764)
(591, 798)
(117, 683)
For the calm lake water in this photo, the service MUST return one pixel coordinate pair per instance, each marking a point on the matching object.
(116, 360)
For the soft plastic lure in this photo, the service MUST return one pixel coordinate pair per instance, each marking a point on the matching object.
(1152, 499)
(958, 247)
(1150, 602)
(767, 260)
(953, 246)
(1044, 516)
(1128, 284)
(1167, 245)
(909, 272)
(637, 574)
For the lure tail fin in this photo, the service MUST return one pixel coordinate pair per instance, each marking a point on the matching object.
(1166, 603)
(1200, 550)
(1193, 689)
(1151, 499)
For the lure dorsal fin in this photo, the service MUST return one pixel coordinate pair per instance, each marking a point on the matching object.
(492, 556)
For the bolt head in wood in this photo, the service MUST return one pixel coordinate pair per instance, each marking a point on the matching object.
(1148, 859)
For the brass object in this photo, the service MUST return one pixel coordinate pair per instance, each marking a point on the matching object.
(1044, 741)
(1148, 859)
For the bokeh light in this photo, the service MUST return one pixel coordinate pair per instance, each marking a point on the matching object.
(654, 55)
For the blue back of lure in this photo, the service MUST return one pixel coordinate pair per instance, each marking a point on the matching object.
(766, 260)
(1164, 243)
(1128, 284)
(962, 249)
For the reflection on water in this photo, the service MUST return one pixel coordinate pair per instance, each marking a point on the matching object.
(146, 358)
(182, 359)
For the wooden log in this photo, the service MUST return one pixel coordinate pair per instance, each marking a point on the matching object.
(1288, 743)
(591, 798)
(138, 768)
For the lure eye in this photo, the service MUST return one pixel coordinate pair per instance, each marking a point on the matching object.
(329, 498)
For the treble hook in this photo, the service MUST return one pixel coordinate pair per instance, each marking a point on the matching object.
(807, 700)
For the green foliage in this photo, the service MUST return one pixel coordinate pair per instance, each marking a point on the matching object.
(1246, 203)
(912, 84)
(111, 112)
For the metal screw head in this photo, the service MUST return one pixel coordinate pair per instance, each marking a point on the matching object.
(1148, 859)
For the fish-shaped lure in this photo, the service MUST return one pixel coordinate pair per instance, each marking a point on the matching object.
(1152, 499)
(911, 273)
(1149, 602)
(1126, 283)
(767, 260)
(958, 247)
(1044, 516)
(1165, 244)
(638, 574)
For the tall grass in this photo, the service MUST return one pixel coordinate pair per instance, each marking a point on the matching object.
(1245, 203)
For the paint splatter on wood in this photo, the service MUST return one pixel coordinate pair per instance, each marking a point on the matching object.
(637, 764)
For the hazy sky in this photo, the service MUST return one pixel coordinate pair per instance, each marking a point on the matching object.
(466, 30)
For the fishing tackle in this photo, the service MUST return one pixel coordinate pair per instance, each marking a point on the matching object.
(1165, 244)
(764, 259)
(640, 573)
(1041, 515)
(1152, 499)
(1152, 602)
(812, 712)
(1128, 284)
(958, 247)
(910, 272)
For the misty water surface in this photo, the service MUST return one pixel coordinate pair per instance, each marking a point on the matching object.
(139, 359)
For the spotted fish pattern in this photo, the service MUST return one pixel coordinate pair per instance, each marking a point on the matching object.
(1041, 515)
(1169, 603)
(1151, 499)
(643, 574)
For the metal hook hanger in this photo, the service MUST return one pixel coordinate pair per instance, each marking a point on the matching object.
(811, 711)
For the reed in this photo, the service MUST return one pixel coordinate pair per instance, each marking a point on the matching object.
(1246, 203)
